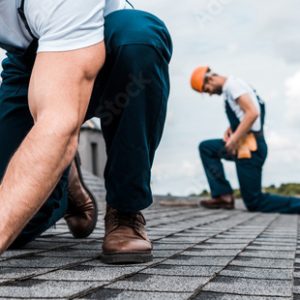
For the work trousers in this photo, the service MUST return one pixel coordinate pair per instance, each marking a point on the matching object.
(130, 96)
(249, 173)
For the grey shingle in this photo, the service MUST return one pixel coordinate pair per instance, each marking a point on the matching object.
(15, 273)
(145, 282)
(213, 253)
(258, 273)
(174, 270)
(40, 288)
(263, 262)
(262, 247)
(38, 262)
(212, 246)
(172, 246)
(250, 286)
(164, 253)
(225, 296)
(113, 294)
(269, 254)
(199, 261)
(89, 273)
(228, 241)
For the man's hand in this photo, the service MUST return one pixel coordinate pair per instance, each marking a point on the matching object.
(227, 134)
(232, 145)
(59, 92)
(251, 114)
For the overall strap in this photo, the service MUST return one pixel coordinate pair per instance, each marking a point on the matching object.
(14, 49)
(30, 53)
(23, 17)
(231, 116)
(262, 108)
(129, 3)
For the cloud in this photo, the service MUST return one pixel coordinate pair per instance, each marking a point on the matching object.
(258, 41)
(250, 39)
(292, 86)
(279, 27)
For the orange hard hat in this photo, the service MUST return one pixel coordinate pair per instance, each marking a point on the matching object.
(197, 79)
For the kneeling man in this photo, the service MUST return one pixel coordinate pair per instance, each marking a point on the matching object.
(243, 142)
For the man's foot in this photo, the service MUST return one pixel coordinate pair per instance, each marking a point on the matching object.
(125, 240)
(224, 201)
(82, 212)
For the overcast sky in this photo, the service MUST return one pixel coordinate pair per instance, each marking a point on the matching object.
(258, 41)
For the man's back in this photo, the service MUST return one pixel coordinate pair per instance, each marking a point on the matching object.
(42, 15)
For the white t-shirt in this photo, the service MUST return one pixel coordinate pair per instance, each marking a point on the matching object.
(235, 88)
(60, 25)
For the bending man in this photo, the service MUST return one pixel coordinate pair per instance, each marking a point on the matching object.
(58, 73)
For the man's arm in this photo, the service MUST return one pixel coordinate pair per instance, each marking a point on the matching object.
(227, 134)
(251, 114)
(59, 92)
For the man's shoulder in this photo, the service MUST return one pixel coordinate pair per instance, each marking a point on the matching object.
(234, 83)
(236, 87)
(114, 5)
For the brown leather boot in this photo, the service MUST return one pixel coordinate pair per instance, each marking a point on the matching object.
(82, 212)
(224, 201)
(125, 240)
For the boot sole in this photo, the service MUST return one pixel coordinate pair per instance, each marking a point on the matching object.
(78, 166)
(126, 258)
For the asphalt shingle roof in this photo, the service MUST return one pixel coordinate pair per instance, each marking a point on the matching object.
(199, 254)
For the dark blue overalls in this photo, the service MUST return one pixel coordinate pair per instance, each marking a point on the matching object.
(130, 95)
(249, 171)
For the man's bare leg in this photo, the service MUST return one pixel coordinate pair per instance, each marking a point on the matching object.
(59, 93)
